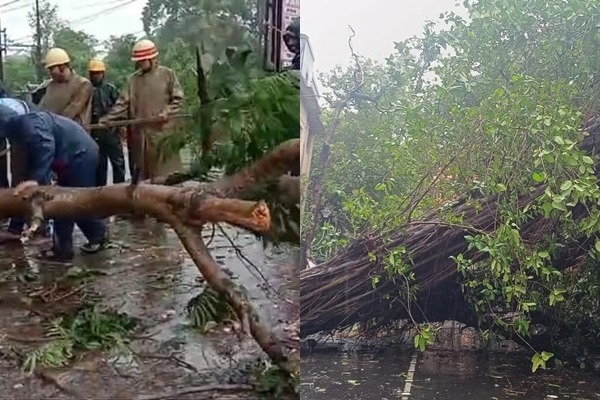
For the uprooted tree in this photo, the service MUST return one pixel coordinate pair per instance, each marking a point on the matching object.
(233, 199)
(474, 195)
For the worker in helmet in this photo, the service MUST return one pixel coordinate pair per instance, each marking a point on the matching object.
(291, 38)
(152, 91)
(67, 94)
(56, 144)
(109, 141)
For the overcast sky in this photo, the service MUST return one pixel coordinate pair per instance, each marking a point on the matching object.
(377, 23)
(99, 18)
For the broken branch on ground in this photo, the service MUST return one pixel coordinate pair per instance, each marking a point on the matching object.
(186, 210)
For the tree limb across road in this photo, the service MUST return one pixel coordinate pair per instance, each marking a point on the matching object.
(186, 210)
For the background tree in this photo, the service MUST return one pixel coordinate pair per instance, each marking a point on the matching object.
(50, 22)
(19, 70)
(217, 24)
(80, 45)
(118, 59)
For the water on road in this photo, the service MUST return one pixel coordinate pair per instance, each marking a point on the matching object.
(147, 275)
(438, 376)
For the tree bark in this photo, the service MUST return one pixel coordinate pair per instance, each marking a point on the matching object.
(186, 210)
(339, 292)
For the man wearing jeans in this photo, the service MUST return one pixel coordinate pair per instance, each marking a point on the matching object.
(54, 143)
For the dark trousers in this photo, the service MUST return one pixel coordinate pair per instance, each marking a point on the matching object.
(4, 165)
(110, 149)
(81, 172)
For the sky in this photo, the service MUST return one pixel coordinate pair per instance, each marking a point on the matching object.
(99, 18)
(377, 23)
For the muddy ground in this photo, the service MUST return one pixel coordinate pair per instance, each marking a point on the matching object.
(147, 275)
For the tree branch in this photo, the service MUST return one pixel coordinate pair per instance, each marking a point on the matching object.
(186, 210)
(316, 184)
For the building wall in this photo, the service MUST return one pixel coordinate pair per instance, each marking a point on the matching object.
(306, 141)
(310, 124)
(307, 62)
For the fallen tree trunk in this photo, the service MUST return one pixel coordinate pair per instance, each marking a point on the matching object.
(339, 292)
(186, 210)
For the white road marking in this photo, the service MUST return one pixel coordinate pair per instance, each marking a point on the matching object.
(410, 374)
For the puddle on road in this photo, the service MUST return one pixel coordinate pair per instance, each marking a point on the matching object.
(438, 376)
(150, 277)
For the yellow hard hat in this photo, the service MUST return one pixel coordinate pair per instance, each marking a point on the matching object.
(96, 65)
(56, 56)
(144, 50)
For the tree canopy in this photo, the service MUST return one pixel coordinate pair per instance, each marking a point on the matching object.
(488, 106)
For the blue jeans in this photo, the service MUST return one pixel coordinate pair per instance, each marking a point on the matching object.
(81, 172)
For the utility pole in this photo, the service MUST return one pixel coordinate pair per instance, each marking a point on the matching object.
(2, 51)
(273, 36)
(38, 45)
(3, 45)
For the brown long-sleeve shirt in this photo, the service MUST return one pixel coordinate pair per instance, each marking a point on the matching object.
(148, 94)
(71, 99)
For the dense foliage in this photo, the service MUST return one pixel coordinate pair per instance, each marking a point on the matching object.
(487, 106)
(256, 110)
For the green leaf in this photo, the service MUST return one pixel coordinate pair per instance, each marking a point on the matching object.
(538, 361)
(547, 208)
(558, 205)
(500, 187)
(588, 160)
(559, 140)
(539, 177)
(566, 185)
(375, 280)
(516, 235)
(547, 355)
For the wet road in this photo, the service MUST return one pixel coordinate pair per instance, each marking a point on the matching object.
(149, 276)
(438, 376)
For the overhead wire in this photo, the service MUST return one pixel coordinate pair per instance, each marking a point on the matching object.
(8, 3)
(17, 8)
(77, 21)
(96, 4)
(100, 13)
